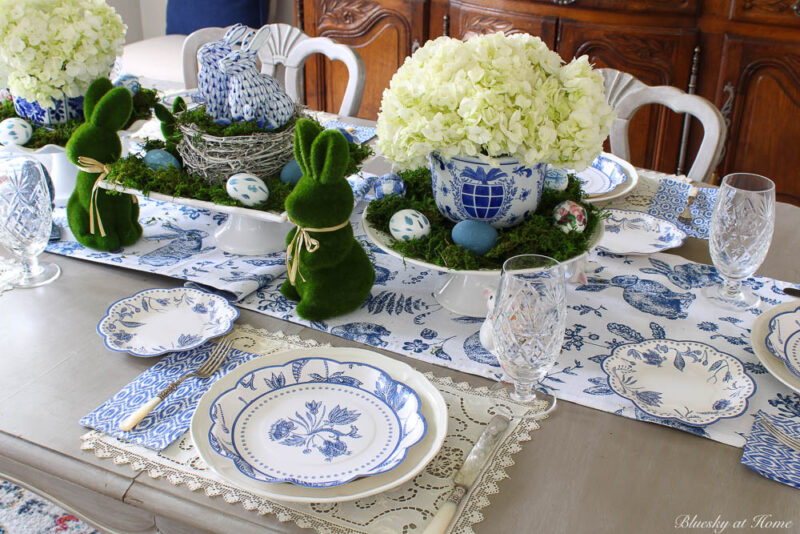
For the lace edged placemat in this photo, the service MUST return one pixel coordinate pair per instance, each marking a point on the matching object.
(410, 506)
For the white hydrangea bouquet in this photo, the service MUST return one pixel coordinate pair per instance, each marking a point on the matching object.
(494, 96)
(50, 49)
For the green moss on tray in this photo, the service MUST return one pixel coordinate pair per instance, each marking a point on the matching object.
(131, 172)
(535, 236)
(59, 134)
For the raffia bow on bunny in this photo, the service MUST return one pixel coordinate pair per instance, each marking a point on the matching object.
(212, 81)
(99, 219)
(252, 95)
(329, 272)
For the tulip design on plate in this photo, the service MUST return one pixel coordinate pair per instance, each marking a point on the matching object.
(314, 430)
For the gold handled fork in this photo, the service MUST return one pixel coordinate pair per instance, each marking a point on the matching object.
(208, 368)
(780, 435)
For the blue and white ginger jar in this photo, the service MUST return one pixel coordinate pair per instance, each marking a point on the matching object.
(63, 110)
(466, 188)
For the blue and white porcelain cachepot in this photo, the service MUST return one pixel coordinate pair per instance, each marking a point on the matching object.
(466, 188)
(63, 110)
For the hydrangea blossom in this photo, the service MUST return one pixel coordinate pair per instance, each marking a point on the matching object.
(494, 95)
(53, 48)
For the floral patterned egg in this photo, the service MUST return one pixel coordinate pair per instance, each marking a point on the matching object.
(570, 216)
(556, 179)
(15, 131)
(248, 189)
(389, 184)
(128, 81)
(408, 224)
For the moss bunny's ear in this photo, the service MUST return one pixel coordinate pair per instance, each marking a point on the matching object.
(114, 109)
(305, 131)
(330, 155)
(94, 93)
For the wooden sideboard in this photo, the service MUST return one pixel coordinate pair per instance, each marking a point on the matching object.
(748, 62)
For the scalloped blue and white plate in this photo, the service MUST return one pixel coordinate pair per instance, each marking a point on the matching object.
(637, 232)
(315, 422)
(685, 381)
(607, 177)
(781, 327)
(156, 321)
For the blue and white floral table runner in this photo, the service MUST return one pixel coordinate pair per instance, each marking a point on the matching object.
(627, 299)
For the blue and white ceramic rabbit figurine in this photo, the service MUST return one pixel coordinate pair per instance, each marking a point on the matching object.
(212, 81)
(251, 94)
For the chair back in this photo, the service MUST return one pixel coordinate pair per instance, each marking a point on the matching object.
(290, 47)
(626, 95)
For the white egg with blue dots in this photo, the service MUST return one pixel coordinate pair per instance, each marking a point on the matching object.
(409, 224)
(15, 131)
(247, 188)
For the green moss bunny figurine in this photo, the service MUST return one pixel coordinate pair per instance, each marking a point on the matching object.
(99, 219)
(329, 272)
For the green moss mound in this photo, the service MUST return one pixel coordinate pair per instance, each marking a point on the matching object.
(535, 236)
(59, 134)
(133, 173)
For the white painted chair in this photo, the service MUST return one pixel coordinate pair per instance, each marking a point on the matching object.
(626, 94)
(290, 47)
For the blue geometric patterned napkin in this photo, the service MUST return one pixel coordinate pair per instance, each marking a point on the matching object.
(170, 419)
(765, 455)
(362, 134)
(670, 200)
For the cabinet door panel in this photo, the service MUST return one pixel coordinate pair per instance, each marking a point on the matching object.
(382, 33)
(783, 12)
(759, 92)
(656, 56)
(469, 19)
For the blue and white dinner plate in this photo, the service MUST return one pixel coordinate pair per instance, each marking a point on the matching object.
(335, 423)
(759, 340)
(156, 321)
(607, 177)
(685, 381)
(637, 232)
(781, 327)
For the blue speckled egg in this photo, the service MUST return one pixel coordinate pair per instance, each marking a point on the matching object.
(248, 189)
(408, 224)
(15, 131)
(128, 81)
(160, 159)
(347, 134)
(556, 179)
(291, 173)
(389, 184)
(477, 236)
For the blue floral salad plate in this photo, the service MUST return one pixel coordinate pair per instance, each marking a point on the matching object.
(637, 232)
(607, 177)
(320, 424)
(684, 381)
(782, 326)
(766, 342)
(156, 321)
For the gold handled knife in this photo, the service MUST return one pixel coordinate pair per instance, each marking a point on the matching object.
(468, 474)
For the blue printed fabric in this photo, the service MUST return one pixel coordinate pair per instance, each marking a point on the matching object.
(170, 419)
(767, 456)
(178, 241)
(628, 299)
(361, 134)
(670, 200)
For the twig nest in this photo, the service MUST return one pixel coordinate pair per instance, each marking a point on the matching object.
(129, 82)
(556, 179)
(291, 173)
(477, 236)
(389, 184)
(409, 224)
(15, 131)
(570, 216)
(161, 159)
(247, 188)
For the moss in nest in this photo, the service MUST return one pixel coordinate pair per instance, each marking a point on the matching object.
(537, 235)
(59, 134)
(205, 122)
